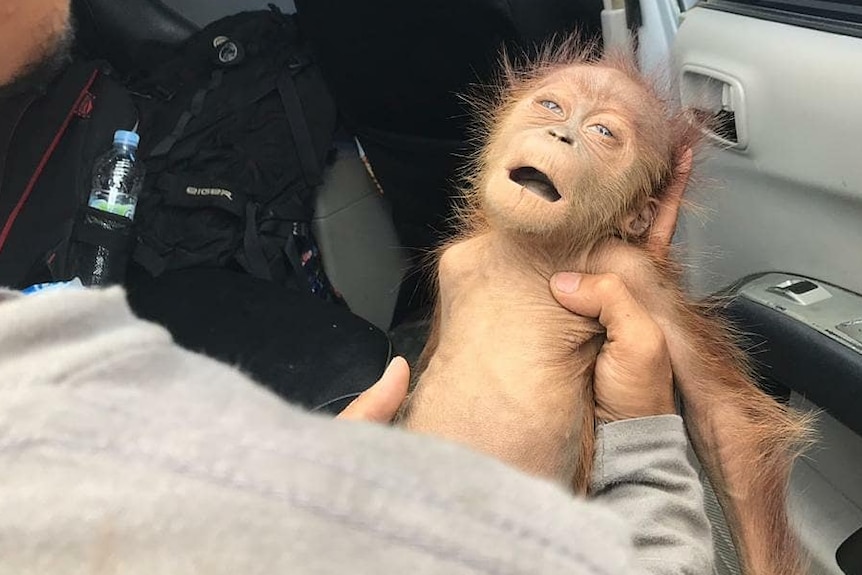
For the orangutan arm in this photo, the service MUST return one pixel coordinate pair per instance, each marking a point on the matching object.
(745, 439)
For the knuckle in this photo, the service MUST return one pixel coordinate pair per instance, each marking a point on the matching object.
(654, 341)
(612, 284)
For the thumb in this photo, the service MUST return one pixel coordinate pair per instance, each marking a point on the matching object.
(381, 401)
(606, 298)
(587, 295)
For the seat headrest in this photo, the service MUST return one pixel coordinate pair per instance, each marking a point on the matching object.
(130, 34)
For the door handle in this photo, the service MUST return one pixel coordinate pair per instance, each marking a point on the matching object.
(717, 100)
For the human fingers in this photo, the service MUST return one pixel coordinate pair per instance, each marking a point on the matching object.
(632, 375)
(381, 401)
(606, 298)
(664, 225)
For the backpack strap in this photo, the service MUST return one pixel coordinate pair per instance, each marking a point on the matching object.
(255, 259)
(164, 147)
(304, 144)
(294, 256)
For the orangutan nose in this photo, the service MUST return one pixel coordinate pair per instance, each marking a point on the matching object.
(562, 135)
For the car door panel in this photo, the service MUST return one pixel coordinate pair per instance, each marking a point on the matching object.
(792, 200)
(825, 499)
(786, 199)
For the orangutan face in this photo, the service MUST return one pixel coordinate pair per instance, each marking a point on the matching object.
(576, 154)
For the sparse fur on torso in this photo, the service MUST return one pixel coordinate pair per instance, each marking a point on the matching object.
(499, 325)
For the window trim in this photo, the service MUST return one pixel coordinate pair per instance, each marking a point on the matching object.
(786, 17)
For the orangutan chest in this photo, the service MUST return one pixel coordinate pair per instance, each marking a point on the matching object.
(502, 307)
(511, 371)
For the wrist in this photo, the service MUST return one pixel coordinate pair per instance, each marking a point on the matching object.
(637, 408)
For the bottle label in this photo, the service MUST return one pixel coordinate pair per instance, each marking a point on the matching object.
(53, 286)
(125, 210)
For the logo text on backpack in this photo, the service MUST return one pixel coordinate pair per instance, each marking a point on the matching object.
(192, 191)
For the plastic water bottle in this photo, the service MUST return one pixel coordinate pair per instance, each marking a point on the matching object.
(117, 177)
(103, 250)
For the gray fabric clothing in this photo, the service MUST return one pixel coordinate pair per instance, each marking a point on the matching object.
(121, 453)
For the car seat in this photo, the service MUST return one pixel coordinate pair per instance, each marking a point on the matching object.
(317, 354)
(129, 34)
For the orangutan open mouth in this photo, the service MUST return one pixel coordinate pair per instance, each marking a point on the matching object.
(535, 181)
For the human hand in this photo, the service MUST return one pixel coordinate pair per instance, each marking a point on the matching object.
(380, 402)
(664, 225)
(633, 376)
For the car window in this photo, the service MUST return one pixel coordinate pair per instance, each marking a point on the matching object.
(839, 16)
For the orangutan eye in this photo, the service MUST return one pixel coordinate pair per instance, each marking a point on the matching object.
(552, 106)
(600, 129)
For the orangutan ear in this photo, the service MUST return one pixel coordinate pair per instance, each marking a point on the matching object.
(638, 223)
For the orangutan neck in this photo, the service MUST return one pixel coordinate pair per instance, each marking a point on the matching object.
(536, 254)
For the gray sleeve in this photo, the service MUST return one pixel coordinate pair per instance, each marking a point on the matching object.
(122, 453)
(642, 472)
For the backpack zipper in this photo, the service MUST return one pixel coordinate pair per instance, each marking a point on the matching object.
(84, 108)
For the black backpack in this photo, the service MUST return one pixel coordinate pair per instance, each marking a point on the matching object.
(235, 130)
(49, 142)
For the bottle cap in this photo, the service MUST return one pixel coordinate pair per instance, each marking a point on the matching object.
(125, 138)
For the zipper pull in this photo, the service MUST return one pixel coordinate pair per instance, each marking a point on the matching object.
(84, 108)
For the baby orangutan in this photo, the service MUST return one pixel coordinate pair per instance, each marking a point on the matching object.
(577, 152)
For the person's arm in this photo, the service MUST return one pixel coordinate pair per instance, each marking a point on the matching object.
(643, 474)
(641, 467)
(118, 446)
